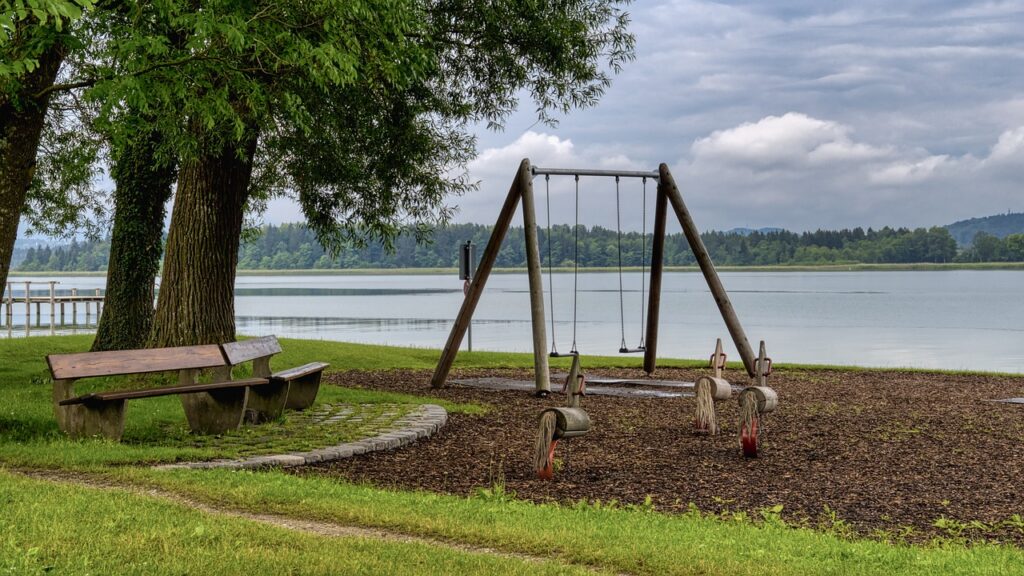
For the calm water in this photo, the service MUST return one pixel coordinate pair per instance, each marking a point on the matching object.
(948, 319)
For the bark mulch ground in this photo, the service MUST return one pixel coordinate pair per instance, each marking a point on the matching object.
(875, 451)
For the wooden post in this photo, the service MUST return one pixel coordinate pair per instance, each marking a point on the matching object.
(10, 305)
(28, 306)
(707, 267)
(62, 322)
(476, 287)
(542, 377)
(53, 308)
(74, 306)
(99, 306)
(657, 266)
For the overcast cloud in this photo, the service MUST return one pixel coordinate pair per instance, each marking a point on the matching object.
(800, 114)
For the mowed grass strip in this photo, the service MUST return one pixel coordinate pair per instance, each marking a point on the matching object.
(51, 528)
(620, 539)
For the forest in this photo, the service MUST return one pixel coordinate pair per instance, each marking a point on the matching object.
(294, 247)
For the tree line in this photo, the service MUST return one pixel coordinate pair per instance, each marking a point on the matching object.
(295, 247)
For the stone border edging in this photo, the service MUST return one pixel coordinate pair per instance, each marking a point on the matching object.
(420, 423)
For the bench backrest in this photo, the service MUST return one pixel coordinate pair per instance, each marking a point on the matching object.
(90, 364)
(251, 349)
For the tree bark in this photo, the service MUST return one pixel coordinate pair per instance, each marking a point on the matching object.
(196, 304)
(143, 187)
(22, 116)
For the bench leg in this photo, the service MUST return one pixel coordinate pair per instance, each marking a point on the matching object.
(302, 391)
(266, 403)
(216, 411)
(87, 420)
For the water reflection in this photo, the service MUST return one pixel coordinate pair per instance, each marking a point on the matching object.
(964, 319)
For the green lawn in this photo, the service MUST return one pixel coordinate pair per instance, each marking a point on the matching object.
(48, 527)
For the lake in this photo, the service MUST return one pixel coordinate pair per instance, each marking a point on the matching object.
(957, 319)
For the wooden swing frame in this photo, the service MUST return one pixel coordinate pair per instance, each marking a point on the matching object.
(522, 189)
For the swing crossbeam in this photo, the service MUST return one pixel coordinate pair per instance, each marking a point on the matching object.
(538, 171)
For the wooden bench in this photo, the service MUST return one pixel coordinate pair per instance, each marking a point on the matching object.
(211, 408)
(300, 384)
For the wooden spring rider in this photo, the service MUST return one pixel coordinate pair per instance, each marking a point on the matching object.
(559, 423)
(756, 401)
(711, 389)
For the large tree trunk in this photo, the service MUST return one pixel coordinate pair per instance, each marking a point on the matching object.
(196, 304)
(143, 187)
(21, 124)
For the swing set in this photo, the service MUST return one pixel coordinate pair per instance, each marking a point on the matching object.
(667, 195)
(623, 348)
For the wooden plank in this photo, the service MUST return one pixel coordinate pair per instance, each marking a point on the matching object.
(657, 267)
(299, 371)
(245, 350)
(163, 391)
(476, 287)
(707, 267)
(90, 364)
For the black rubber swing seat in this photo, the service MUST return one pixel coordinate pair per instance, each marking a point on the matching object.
(625, 350)
(563, 354)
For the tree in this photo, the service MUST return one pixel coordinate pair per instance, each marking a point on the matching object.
(33, 44)
(359, 108)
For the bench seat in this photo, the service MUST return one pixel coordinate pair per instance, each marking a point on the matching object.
(97, 397)
(303, 384)
(300, 384)
(210, 408)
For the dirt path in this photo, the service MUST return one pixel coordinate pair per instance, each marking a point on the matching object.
(319, 528)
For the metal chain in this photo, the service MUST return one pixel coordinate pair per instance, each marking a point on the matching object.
(551, 281)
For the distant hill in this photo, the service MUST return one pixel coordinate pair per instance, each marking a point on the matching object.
(749, 231)
(1000, 226)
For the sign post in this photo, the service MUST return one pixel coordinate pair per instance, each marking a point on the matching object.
(467, 264)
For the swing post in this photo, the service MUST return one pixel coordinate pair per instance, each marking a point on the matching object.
(542, 377)
(476, 286)
(707, 267)
(657, 266)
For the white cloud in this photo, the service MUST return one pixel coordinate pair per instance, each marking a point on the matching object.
(780, 141)
(1009, 147)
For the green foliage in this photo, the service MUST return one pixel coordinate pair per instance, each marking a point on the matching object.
(27, 28)
(295, 247)
(86, 256)
(988, 248)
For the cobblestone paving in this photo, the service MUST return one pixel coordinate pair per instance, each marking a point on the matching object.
(375, 429)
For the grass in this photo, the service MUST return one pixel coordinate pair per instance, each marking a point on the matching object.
(634, 540)
(50, 528)
(155, 428)
(42, 528)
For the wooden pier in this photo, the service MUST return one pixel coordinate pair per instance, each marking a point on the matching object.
(59, 306)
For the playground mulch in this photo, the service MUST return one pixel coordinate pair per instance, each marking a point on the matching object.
(898, 455)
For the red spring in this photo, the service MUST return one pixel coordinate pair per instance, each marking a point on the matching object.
(749, 439)
(548, 471)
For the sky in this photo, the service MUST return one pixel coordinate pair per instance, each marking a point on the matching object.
(796, 114)
(800, 114)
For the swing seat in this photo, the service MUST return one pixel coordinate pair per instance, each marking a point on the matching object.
(563, 354)
(625, 350)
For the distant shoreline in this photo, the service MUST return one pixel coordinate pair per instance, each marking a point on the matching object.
(453, 271)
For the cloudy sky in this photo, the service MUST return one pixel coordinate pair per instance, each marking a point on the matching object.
(793, 113)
